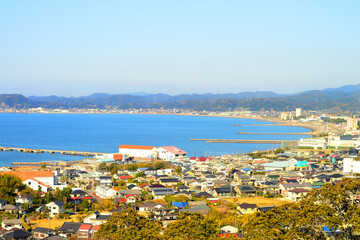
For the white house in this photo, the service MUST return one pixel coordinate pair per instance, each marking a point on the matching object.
(35, 179)
(167, 171)
(138, 151)
(170, 153)
(23, 198)
(55, 207)
(97, 218)
(350, 165)
(9, 224)
(104, 192)
(316, 143)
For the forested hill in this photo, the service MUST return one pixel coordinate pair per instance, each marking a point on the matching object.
(254, 101)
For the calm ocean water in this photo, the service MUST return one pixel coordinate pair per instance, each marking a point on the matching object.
(106, 132)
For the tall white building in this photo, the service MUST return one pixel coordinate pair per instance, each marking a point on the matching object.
(298, 112)
(352, 123)
(350, 165)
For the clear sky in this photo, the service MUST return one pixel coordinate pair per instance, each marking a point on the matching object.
(75, 48)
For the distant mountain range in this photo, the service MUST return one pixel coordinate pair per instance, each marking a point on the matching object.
(345, 98)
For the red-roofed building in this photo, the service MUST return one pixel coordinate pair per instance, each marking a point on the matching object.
(202, 159)
(95, 229)
(34, 179)
(130, 198)
(143, 185)
(170, 152)
(118, 156)
(85, 231)
(138, 152)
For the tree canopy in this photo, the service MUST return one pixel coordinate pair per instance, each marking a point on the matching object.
(128, 224)
(331, 207)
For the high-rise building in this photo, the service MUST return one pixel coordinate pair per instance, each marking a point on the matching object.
(352, 123)
(298, 112)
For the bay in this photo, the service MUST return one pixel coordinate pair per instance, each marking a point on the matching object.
(106, 132)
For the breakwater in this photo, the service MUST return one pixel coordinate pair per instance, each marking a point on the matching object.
(64, 152)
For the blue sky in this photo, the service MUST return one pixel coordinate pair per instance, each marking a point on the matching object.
(74, 48)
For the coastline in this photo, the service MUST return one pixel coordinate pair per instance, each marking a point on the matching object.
(310, 127)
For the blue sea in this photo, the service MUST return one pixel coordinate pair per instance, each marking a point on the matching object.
(106, 132)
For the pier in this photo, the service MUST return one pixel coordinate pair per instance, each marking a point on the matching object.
(47, 163)
(63, 152)
(243, 141)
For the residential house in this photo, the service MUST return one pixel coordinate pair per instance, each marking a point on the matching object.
(55, 208)
(167, 171)
(296, 194)
(245, 190)
(130, 199)
(200, 208)
(203, 195)
(105, 180)
(285, 187)
(78, 195)
(17, 234)
(168, 181)
(170, 152)
(69, 229)
(105, 192)
(9, 224)
(150, 171)
(246, 208)
(41, 233)
(160, 193)
(149, 206)
(2, 203)
(84, 231)
(23, 199)
(97, 218)
(9, 208)
(242, 178)
(224, 191)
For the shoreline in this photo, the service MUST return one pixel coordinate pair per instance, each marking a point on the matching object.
(280, 122)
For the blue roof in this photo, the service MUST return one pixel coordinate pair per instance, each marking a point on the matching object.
(143, 169)
(180, 204)
(247, 169)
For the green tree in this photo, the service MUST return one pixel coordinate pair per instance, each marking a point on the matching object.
(103, 166)
(191, 226)
(86, 204)
(332, 206)
(9, 184)
(178, 170)
(139, 174)
(129, 225)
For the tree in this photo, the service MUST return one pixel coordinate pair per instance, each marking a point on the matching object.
(178, 170)
(191, 226)
(139, 174)
(86, 204)
(9, 184)
(331, 206)
(128, 224)
(102, 166)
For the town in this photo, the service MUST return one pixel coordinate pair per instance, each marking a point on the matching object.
(76, 199)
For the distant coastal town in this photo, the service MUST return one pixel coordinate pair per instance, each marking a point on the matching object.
(165, 186)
